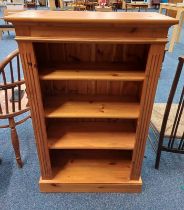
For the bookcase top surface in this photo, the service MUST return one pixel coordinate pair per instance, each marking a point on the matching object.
(148, 18)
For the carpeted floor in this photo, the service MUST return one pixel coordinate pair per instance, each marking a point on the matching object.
(163, 189)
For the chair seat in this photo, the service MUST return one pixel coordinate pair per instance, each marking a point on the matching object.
(157, 117)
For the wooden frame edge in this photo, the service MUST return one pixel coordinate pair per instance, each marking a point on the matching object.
(51, 186)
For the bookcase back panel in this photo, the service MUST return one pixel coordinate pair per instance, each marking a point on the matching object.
(92, 88)
(91, 166)
(127, 125)
(110, 134)
(90, 125)
(54, 54)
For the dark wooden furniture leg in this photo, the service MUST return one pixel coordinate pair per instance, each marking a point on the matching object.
(15, 142)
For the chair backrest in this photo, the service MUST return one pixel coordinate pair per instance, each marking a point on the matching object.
(12, 87)
(179, 114)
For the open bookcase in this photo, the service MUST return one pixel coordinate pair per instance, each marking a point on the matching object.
(91, 81)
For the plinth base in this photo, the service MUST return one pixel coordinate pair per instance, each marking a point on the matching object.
(53, 186)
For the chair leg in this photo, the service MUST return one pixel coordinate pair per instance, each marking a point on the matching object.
(159, 150)
(15, 142)
(157, 162)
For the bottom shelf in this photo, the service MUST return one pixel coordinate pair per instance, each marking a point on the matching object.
(90, 171)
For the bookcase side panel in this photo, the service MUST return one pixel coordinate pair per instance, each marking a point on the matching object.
(153, 69)
(35, 100)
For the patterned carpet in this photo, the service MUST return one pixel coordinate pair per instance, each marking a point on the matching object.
(163, 189)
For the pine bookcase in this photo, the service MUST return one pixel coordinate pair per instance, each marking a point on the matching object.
(91, 78)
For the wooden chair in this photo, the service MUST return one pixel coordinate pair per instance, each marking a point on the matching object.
(79, 5)
(31, 4)
(90, 4)
(156, 3)
(115, 4)
(12, 101)
(168, 121)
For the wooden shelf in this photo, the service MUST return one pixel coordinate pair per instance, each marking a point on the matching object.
(88, 107)
(91, 166)
(91, 171)
(90, 72)
(91, 135)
